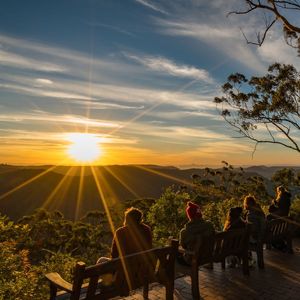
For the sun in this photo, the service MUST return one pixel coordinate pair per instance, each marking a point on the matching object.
(84, 147)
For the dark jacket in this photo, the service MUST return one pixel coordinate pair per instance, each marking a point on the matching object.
(131, 239)
(236, 224)
(283, 204)
(256, 218)
(192, 229)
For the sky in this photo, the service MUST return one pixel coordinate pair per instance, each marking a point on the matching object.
(138, 75)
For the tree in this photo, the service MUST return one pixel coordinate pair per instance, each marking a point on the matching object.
(264, 109)
(167, 216)
(273, 12)
(286, 176)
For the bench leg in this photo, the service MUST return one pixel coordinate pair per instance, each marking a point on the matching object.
(170, 290)
(223, 264)
(245, 263)
(195, 282)
(146, 291)
(53, 291)
(289, 243)
(260, 257)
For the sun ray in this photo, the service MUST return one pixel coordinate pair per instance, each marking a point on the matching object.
(122, 182)
(187, 183)
(58, 186)
(110, 221)
(113, 197)
(80, 192)
(23, 184)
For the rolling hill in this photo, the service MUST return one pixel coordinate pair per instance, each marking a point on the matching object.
(24, 189)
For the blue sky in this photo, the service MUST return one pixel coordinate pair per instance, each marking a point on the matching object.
(139, 74)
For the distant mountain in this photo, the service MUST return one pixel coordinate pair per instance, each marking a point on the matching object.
(269, 171)
(23, 189)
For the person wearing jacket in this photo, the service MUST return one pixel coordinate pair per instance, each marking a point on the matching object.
(194, 228)
(256, 217)
(280, 206)
(133, 237)
(234, 219)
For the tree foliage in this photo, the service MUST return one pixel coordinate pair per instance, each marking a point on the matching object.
(264, 109)
(167, 215)
(285, 13)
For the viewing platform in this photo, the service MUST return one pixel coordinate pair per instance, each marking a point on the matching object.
(279, 280)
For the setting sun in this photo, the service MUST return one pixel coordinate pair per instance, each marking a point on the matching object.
(84, 147)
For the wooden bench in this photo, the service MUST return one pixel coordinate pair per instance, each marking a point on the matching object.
(277, 229)
(215, 249)
(127, 273)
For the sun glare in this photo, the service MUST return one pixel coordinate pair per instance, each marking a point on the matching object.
(84, 147)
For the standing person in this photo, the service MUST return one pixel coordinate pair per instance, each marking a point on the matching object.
(280, 206)
(134, 236)
(194, 228)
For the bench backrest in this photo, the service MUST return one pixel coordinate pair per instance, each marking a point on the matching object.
(232, 242)
(278, 229)
(128, 273)
(215, 248)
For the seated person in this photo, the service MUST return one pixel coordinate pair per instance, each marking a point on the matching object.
(194, 228)
(280, 206)
(133, 237)
(256, 217)
(234, 221)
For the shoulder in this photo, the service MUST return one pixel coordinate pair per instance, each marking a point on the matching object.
(121, 230)
(146, 227)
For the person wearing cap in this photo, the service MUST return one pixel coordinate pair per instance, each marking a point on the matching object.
(194, 228)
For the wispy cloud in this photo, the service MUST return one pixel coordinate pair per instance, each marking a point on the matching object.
(103, 96)
(42, 117)
(227, 39)
(15, 60)
(275, 49)
(152, 6)
(111, 27)
(164, 65)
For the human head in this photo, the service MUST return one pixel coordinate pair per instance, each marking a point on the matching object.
(133, 216)
(193, 211)
(249, 202)
(280, 189)
(235, 212)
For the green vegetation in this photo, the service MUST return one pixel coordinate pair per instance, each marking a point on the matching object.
(46, 241)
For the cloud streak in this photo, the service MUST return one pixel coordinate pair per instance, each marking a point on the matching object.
(151, 5)
(164, 65)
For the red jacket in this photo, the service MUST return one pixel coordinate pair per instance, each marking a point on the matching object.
(131, 239)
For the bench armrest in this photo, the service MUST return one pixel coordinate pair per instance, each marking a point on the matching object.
(56, 280)
(185, 251)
